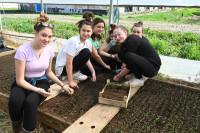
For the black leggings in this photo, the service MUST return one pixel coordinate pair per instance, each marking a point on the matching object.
(79, 61)
(140, 66)
(97, 67)
(23, 104)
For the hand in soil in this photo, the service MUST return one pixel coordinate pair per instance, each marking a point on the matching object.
(115, 78)
(69, 90)
(73, 85)
(93, 78)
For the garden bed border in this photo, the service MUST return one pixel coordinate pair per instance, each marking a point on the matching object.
(48, 119)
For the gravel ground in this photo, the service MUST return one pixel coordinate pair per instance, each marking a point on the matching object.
(152, 25)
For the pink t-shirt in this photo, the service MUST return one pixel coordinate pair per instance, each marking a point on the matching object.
(35, 65)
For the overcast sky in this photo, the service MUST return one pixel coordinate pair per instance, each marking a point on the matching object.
(107, 2)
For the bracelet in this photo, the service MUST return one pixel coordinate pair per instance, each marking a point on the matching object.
(117, 76)
(111, 55)
(62, 85)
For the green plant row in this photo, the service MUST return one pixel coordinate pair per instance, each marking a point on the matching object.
(186, 16)
(183, 45)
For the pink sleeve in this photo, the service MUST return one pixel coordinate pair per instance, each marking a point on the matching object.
(20, 55)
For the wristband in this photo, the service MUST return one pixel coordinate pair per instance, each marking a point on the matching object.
(117, 76)
(62, 85)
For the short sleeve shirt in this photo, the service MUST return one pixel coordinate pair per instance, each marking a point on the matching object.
(95, 43)
(35, 65)
(72, 47)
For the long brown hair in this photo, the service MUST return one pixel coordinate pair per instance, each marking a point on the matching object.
(112, 26)
(95, 22)
(138, 24)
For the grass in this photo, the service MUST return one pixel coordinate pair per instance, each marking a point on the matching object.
(172, 16)
(175, 44)
(9, 8)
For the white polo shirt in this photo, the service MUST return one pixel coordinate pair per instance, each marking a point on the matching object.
(72, 47)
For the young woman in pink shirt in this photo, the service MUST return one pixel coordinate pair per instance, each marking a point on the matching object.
(33, 61)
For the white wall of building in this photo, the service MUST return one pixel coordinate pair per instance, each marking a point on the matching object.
(8, 5)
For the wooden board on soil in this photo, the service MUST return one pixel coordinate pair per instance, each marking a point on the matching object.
(115, 94)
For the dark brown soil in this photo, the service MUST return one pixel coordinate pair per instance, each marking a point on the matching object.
(115, 92)
(7, 72)
(159, 107)
(72, 107)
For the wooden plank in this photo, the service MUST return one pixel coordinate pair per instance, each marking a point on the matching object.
(133, 90)
(94, 120)
(52, 121)
(7, 53)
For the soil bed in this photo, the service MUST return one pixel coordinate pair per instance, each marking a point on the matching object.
(7, 73)
(115, 92)
(159, 107)
(72, 107)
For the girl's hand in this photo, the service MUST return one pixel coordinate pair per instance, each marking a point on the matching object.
(93, 78)
(73, 85)
(50, 90)
(116, 78)
(107, 67)
(123, 66)
(117, 58)
(68, 89)
(42, 92)
(112, 43)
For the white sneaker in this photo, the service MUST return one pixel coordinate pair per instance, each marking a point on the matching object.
(136, 82)
(79, 76)
(144, 78)
(62, 77)
(129, 76)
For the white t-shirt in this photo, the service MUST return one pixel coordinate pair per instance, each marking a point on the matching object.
(72, 47)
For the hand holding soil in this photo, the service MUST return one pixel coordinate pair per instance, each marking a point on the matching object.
(43, 92)
(93, 78)
(68, 89)
(72, 84)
